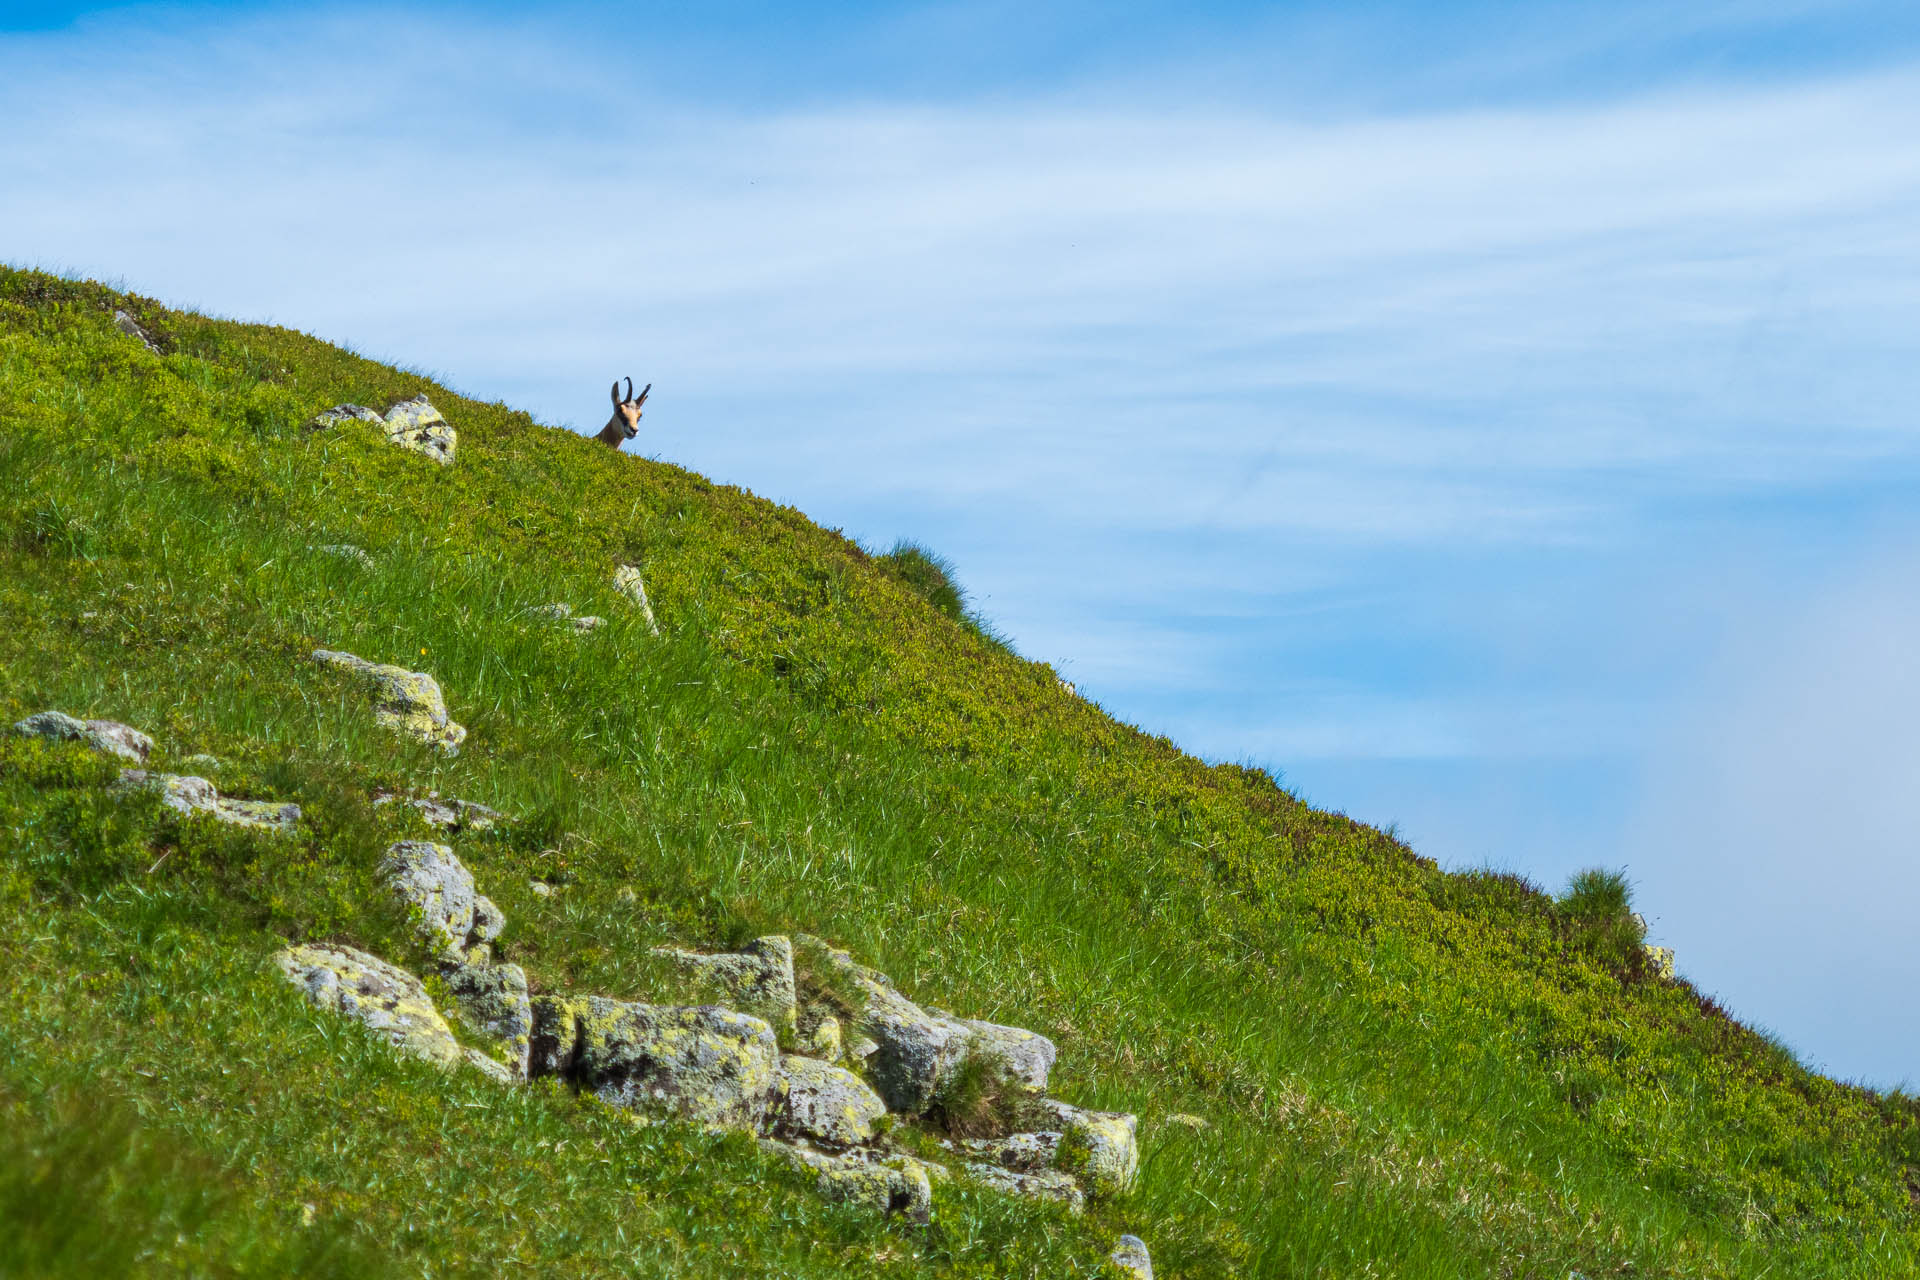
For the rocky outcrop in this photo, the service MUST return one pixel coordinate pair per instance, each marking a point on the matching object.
(628, 582)
(1026, 1056)
(411, 424)
(386, 1000)
(1130, 1255)
(1659, 960)
(408, 702)
(108, 736)
(704, 1063)
(191, 795)
(1100, 1148)
(757, 979)
(455, 921)
(812, 1099)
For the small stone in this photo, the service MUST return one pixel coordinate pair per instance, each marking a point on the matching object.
(557, 612)
(126, 324)
(329, 418)
(347, 551)
(453, 814)
(822, 1102)
(1130, 1255)
(1659, 959)
(108, 736)
(1196, 1123)
(407, 702)
(585, 623)
(541, 888)
(386, 999)
(628, 582)
(758, 979)
(822, 1040)
(486, 1066)
(416, 425)
(1048, 1184)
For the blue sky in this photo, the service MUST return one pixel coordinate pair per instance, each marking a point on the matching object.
(1499, 420)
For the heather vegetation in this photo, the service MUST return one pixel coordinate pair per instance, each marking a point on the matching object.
(1395, 1070)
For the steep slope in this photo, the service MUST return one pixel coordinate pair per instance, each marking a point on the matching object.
(1400, 1071)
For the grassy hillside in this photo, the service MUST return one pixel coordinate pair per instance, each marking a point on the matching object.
(1404, 1072)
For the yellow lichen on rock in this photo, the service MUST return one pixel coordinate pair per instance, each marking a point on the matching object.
(408, 702)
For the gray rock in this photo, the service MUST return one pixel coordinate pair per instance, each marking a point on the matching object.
(1659, 959)
(1130, 1255)
(1049, 1184)
(452, 814)
(1020, 1152)
(555, 612)
(486, 1066)
(586, 622)
(757, 979)
(407, 702)
(415, 424)
(347, 551)
(821, 1040)
(628, 582)
(1098, 1147)
(1027, 1055)
(454, 921)
(885, 1184)
(385, 999)
(916, 1051)
(493, 1000)
(108, 736)
(703, 1063)
(126, 324)
(191, 795)
(812, 1099)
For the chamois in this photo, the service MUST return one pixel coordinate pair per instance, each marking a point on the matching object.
(624, 424)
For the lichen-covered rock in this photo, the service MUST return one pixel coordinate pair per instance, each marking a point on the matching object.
(701, 1063)
(191, 795)
(821, 1039)
(1020, 1152)
(885, 1184)
(628, 582)
(916, 1051)
(493, 1000)
(1197, 1124)
(1098, 1147)
(812, 1099)
(384, 998)
(347, 551)
(757, 979)
(486, 1066)
(1659, 959)
(109, 736)
(407, 702)
(1027, 1055)
(454, 920)
(451, 814)
(1130, 1255)
(415, 424)
(586, 622)
(1048, 1184)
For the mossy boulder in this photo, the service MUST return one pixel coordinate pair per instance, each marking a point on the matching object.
(1046, 1184)
(382, 997)
(885, 1184)
(757, 979)
(1027, 1056)
(814, 1099)
(408, 702)
(108, 736)
(1100, 1148)
(700, 1063)
(417, 426)
(451, 814)
(916, 1050)
(1130, 1255)
(454, 920)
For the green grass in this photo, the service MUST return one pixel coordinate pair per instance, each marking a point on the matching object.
(1406, 1072)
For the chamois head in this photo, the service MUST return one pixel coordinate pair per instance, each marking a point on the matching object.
(624, 425)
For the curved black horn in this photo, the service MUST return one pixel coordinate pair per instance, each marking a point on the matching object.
(629, 388)
(643, 393)
(616, 392)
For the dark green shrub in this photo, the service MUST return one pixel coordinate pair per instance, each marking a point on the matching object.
(1596, 912)
(929, 575)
